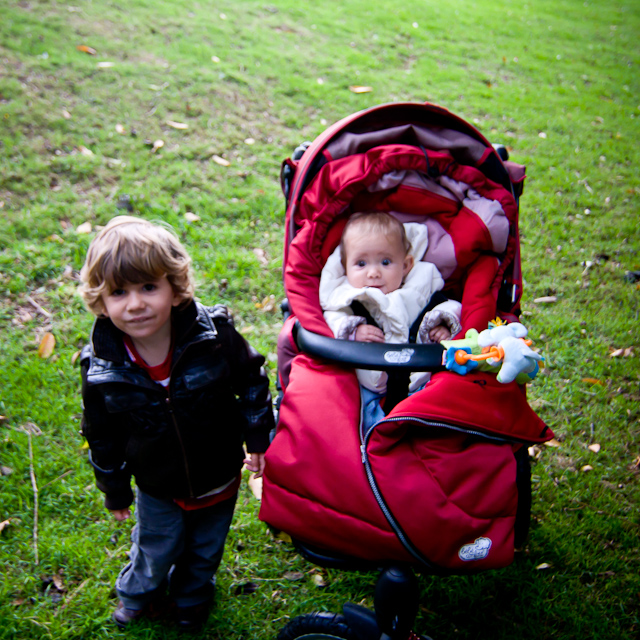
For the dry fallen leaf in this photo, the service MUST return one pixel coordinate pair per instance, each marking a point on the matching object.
(84, 151)
(284, 536)
(47, 345)
(592, 381)
(158, 144)
(65, 114)
(32, 428)
(90, 50)
(4, 524)
(358, 89)
(120, 128)
(542, 134)
(177, 125)
(586, 467)
(249, 141)
(625, 353)
(215, 59)
(546, 299)
(85, 227)
(294, 575)
(221, 161)
(191, 217)
(552, 443)
(106, 65)
(268, 304)
(261, 255)
(57, 581)
(544, 565)
(318, 580)
(595, 447)
(74, 357)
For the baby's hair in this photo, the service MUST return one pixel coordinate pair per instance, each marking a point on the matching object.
(131, 250)
(365, 222)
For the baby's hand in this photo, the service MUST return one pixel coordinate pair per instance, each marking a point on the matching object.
(439, 333)
(369, 333)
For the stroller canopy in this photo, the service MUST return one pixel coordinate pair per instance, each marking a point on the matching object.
(423, 164)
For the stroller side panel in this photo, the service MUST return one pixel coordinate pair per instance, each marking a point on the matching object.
(317, 490)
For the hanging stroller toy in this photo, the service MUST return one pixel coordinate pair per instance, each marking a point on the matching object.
(442, 483)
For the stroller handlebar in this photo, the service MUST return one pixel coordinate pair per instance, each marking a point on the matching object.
(371, 355)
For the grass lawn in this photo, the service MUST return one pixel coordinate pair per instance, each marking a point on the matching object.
(183, 111)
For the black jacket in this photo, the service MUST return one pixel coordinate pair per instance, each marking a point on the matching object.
(181, 442)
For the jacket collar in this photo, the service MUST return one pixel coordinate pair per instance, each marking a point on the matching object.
(108, 344)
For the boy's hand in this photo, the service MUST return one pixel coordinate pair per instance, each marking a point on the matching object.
(439, 333)
(255, 463)
(369, 333)
(121, 514)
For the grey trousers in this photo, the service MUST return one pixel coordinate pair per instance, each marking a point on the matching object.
(174, 547)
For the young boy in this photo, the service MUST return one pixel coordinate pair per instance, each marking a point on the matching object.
(378, 266)
(170, 392)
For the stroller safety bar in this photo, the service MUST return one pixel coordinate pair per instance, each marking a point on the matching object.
(371, 355)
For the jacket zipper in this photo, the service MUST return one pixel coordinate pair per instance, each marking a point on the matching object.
(169, 408)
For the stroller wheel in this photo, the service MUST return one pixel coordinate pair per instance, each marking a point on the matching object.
(317, 626)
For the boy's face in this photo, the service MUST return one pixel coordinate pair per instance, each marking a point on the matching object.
(142, 311)
(375, 260)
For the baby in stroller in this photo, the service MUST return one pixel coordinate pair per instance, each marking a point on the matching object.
(375, 288)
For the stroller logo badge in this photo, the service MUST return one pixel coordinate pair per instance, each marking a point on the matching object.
(477, 550)
(399, 357)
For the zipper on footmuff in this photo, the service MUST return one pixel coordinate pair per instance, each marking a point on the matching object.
(391, 519)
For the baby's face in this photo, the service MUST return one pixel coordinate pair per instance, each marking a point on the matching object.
(375, 260)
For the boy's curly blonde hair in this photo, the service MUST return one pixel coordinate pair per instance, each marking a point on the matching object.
(131, 250)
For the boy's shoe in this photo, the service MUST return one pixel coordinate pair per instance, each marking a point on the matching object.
(192, 618)
(123, 616)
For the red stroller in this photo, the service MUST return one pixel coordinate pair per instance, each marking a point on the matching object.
(442, 485)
